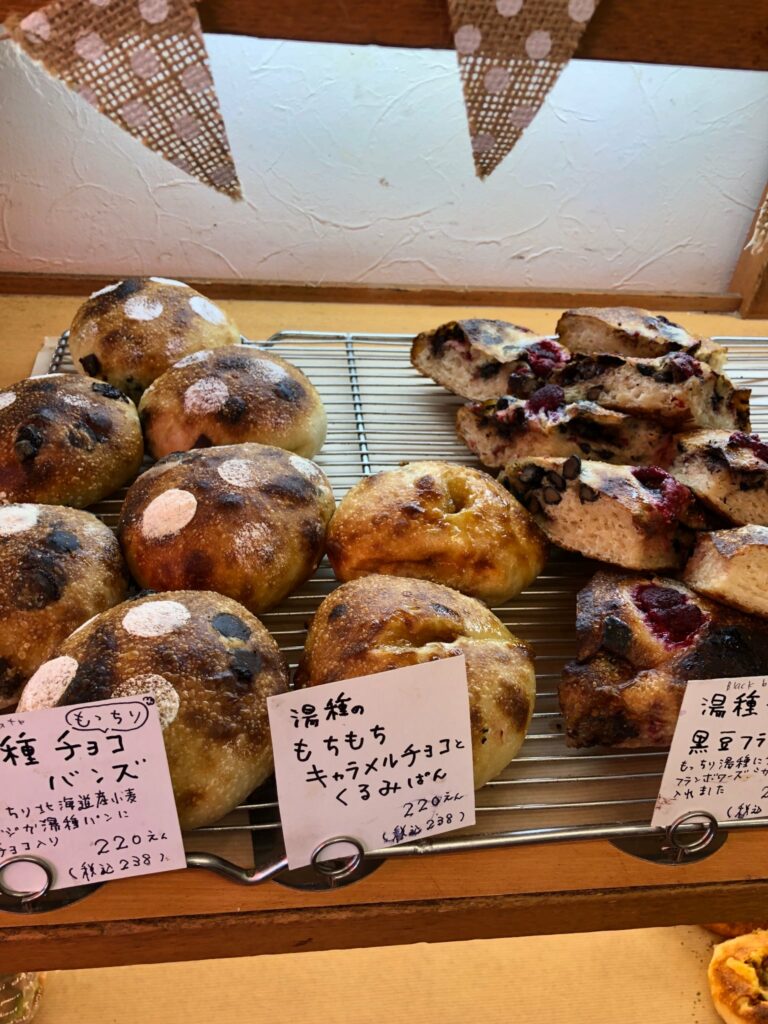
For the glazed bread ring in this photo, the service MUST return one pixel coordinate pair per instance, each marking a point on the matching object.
(211, 667)
(58, 567)
(66, 440)
(738, 979)
(229, 395)
(245, 520)
(130, 332)
(382, 622)
(441, 522)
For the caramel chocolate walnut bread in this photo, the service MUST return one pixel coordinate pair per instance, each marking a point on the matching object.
(626, 331)
(383, 622)
(633, 516)
(640, 639)
(732, 566)
(727, 471)
(66, 440)
(738, 978)
(230, 395)
(211, 667)
(478, 358)
(544, 424)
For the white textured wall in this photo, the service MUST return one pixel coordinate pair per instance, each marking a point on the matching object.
(356, 167)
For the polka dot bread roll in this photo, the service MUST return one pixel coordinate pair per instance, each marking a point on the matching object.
(130, 332)
(211, 667)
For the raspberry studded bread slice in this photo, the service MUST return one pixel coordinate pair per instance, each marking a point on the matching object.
(640, 639)
(728, 472)
(676, 389)
(476, 358)
(732, 566)
(629, 516)
(633, 332)
(509, 428)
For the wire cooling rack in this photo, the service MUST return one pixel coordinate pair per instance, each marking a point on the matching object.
(382, 413)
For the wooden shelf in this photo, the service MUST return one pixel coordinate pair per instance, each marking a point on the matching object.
(728, 34)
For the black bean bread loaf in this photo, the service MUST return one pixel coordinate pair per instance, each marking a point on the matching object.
(732, 566)
(727, 471)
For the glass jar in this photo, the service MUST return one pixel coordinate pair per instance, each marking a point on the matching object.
(20, 996)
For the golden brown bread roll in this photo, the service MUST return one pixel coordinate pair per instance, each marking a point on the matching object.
(58, 567)
(245, 520)
(384, 622)
(229, 395)
(441, 522)
(211, 666)
(130, 332)
(66, 440)
(733, 929)
(738, 979)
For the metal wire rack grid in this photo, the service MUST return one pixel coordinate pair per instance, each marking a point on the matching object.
(382, 413)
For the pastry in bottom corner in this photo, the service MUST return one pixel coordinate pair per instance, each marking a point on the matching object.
(738, 979)
(727, 471)
(732, 566)
(210, 665)
(632, 516)
(437, 521)
(732, 929)
(384, 622)
(640, 639)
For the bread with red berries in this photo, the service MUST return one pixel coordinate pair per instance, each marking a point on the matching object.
(508, 428)
(727, 471)
(632, 516)
(478, 358)
(640, 639)
(732, 566)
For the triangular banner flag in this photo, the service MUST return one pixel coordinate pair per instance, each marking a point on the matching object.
(511, 53)
(143, 63)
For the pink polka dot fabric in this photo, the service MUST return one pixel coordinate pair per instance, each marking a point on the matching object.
(510, 54)
(143, 64)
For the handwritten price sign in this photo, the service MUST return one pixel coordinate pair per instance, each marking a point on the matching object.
(87, 789)
(383, 759)
(718, 761)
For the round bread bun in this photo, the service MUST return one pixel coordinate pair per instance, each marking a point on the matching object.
(245, 520)
(439, 522)
(229, 395)
(731, 930)
(211, 667)
(384, 622)
(738, 979)
(66, 440)
(58, 568)
(130, 332)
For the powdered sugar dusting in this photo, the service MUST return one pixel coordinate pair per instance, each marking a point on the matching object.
(307, 469)
(207, 310)
(47, 685)
(17, 519)
(79, 401)
(166, 697)
(272, 372)
(255, 540)
(140, 307)
(206, 396)
(7, 398)
(169, 280)
(105, 290)
(175, 346)
(168, 513)
(238, 472)
(195, 357)
(155, 618)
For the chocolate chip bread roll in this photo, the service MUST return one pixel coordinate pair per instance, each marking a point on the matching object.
(245, 520)
(211, 667)
(58, 567)
(230, 395)
(441, 522)
(130, 332)
(66, 440)
(383, 622)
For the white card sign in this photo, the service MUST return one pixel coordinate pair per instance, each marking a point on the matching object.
(718, 761)
(383, 759)
(87, 789)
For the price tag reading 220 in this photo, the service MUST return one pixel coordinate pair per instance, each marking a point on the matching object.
(383, 759)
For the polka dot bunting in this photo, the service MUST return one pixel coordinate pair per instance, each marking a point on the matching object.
(510, 54)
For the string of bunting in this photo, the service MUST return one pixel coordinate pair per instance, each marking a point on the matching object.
(143, 64)
(511, 53)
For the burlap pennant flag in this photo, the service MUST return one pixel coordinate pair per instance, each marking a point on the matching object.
(511, 53)
(143, 63)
